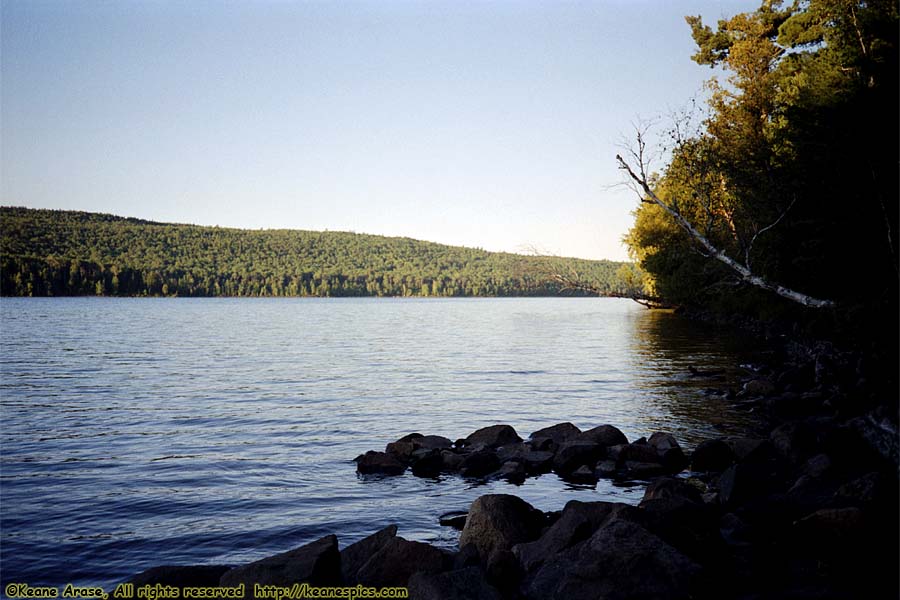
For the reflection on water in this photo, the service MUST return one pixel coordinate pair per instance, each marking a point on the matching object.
(139, 432)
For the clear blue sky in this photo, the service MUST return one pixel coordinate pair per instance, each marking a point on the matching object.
(488, 124)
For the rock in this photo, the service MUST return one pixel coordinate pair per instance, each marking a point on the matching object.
(832, 525)
(572, 455)
(743, 446)
(396, 560)
(536, 461)
(583, 474)
(759, 473)
(712, 456)
(559, 433)
(433, 442)
(462, 584)
(639, 452)
(317, 563)
(795, 441)
(513, 472)
(644, 470)
(467, 557)
(378, 463)
(670, 487)
(606, 468)
(180, 576)
(493, 437)
(691, 527)
(758, 387)
(499, 522)
(354, 556)
(454, 519)
(864, 490)
(817, 466)
(663, 442)
(402, 451)
(479, 464)
(605, 435)
(451, 460)
(615, 452)
(504, 572)
(428, 464)
(512, 452)
(620, 561)
(880, 434)
(578, 521)
(409, 437)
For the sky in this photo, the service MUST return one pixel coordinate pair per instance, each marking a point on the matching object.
(491, 124)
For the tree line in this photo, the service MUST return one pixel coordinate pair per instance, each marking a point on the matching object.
(780, 197)
(69, 253)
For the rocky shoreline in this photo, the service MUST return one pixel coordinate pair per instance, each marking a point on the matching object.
(808, 511)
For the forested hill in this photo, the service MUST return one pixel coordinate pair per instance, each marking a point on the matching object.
(64, 253)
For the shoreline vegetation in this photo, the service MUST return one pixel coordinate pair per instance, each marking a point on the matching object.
(806, 509)
(68, 253)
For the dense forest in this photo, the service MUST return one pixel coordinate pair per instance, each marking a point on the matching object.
(789, 174)
(64, 253)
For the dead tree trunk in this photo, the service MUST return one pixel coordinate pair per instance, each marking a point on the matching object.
(741, 269)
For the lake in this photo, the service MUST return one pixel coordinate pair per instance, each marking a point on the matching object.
(140, 432)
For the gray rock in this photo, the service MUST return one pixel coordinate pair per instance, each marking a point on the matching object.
(394, 563)
(378, 463)
(493, 436)
(605, 435)
(499, 522)
(583, 474)
(621, 561)
(663, 441)
(578, 521)
(433, 442)
(428, 464)
(317, 563)
(513, 452)
(180, 576)
(536, 461)
(462, 584)
(561, 432)
(354, 556)
(639, 452)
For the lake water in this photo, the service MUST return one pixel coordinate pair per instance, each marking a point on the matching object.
(139, 432)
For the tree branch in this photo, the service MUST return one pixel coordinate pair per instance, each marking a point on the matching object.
(742, 270)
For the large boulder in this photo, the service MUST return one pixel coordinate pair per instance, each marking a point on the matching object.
(397, 559)
(620, 561)
(499, 522)
(373, 462)
(759, 473)
(180, 576)
(605, 435)
(559, 433)
(317, 563)
(577, 522)
(354, 556)
(462, 584)
(795, 441)
(493, 437)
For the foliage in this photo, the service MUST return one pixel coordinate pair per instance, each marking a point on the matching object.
(62, 253)
(794, 171)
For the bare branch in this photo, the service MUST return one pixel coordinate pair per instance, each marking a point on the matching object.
(765, 229)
